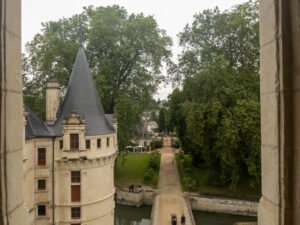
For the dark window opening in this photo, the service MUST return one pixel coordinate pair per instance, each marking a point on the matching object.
(61, 144)
(41, 184)
(75, 177)
(41, 156)
(107, 142)
(74, 141)
(41, 210)
(75, 213)
(88, 144)
(75, 193)
(98, 143)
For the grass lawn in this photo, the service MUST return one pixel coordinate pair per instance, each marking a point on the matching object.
(132, 169)
(198, 175)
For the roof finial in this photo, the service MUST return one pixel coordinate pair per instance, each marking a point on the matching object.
(80, 32)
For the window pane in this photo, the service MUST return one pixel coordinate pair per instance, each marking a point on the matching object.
(75, 193)
(75, 176)
(41, 184)
(98, 143)
(74, 141)
(61, 144)
(88, 144)
(75, 213)
(41, 210)
(41, 156)
(107, 142)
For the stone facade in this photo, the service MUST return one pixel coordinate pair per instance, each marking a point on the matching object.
(96, 167)
(280, 112)
(52, 100)
(68, 164)
(11, 115)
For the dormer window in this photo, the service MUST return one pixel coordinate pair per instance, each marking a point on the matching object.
(74, 141)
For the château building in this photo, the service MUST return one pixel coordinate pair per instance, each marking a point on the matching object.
(68, 160)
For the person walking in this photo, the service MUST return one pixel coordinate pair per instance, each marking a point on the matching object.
(182, 220)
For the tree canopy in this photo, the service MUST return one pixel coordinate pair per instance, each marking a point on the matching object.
(217, 112)
(126, 53)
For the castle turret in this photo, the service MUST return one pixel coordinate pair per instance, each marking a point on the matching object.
(52, 100)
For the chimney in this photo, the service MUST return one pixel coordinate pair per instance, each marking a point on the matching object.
(115, 121)
(52, 100)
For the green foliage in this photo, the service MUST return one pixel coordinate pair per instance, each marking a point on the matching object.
(154, 162)
(125, 51)
(151, 174)
(217, 113)
(154, 144)
(206, 181)
(176, 144)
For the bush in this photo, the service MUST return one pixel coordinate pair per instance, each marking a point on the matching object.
(156, 144)
(151, 174)
(176, 144)
(154, 161)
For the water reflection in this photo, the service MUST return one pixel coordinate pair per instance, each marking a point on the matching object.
(126, 215)
(205, 218)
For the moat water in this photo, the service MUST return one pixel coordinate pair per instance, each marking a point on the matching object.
(126, 215)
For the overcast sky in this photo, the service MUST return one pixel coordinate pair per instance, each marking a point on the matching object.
(171, 15)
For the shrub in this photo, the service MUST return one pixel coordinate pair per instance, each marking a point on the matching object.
(176, 144)
(156, 144)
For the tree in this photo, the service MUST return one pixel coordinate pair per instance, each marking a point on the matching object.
(217, 113)
(126, 53)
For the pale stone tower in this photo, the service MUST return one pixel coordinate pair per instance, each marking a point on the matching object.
(52, 100)
(70, 161)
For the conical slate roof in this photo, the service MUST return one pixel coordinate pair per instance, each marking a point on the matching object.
(82, 97)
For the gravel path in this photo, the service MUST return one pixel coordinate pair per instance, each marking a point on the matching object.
(171, 198)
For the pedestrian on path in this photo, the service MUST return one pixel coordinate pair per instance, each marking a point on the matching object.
(182, 220)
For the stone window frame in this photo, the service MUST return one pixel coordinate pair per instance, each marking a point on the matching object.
(76, 212)
(61, 144)
(38, 210)
(88, 144)
(99, 143)
(37, 184)
(108, 142)
(74, 141)
(41, 157)
(75, 177)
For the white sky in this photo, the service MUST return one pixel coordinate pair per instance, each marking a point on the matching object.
(171, 15)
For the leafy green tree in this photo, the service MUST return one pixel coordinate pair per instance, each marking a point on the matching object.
(217, 113)
(125, 51)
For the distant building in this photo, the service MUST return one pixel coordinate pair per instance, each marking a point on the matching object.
(148, 129)
(68, 161)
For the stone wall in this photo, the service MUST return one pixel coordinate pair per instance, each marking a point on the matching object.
(143, 197)
(11, 115)
(208, 204)
(228, 206)
(280, 112)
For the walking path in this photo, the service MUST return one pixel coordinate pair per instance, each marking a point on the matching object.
(170, 198)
